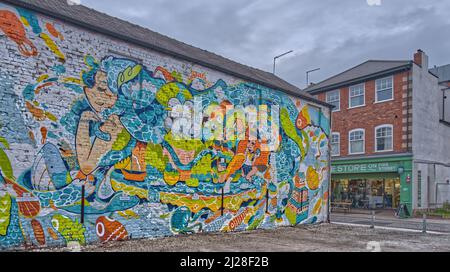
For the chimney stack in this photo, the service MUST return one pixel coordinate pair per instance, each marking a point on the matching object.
(421, 59)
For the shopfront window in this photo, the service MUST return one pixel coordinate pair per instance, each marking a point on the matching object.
(367, 193)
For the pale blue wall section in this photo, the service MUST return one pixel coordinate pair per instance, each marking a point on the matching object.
(12, 125)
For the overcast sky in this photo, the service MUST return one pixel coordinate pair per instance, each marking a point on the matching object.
(333, 35)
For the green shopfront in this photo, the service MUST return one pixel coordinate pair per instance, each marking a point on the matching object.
(375, 183)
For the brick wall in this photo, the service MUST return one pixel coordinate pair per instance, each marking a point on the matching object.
(82, 109)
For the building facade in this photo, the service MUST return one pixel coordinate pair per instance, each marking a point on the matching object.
(388, 139)
(109, 131)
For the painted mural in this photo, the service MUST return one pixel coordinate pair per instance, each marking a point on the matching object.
(155, 152)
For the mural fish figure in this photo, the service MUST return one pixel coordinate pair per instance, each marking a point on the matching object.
(237, 221)
(109, 229)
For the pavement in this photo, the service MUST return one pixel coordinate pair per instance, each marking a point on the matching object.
(386, 220)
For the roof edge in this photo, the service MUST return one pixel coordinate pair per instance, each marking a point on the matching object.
(158, 49)
(360, 79)
(356, 66)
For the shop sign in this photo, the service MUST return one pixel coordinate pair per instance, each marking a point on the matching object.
(364, 168)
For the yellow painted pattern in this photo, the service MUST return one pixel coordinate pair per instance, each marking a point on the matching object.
(232, 203)
(129, 190)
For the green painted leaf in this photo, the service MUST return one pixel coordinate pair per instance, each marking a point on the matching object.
(5, 214)
(4, 142)
(5, 165)
(122, 140)
(290, 130)
(129, 74)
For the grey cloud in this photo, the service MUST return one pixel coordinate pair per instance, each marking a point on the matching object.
(333, 35)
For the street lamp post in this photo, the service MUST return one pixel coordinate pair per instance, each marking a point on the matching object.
(307, 75)
(277, 57)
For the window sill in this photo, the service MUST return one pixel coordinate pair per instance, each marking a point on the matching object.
(384, 101)
(384, 151)
(356, 107)
(351, 154)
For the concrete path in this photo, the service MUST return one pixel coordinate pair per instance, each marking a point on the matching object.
(383, 220)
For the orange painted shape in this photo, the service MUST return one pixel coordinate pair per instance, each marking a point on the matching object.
(167, 76)
(52, 234)
(37, 113)
(13, 28)
(237, 221)
(110, 230)
(52, 30)
(44, 132)
(38, 232)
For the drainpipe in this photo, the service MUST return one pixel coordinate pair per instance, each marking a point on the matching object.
(444, 97)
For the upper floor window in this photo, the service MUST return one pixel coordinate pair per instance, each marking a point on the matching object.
(356, 141)
(335, 144)
(384, 89)
(334, 98)
(384, 138)
(357, 96)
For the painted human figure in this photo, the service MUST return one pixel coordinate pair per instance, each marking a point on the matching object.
(90, 152)
(251, 154)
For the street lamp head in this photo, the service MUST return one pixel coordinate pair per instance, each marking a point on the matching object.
(279, 56)
(284, 54)
(307, 75)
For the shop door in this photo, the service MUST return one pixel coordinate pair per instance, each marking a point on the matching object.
(376, 189)
(392, 193)
(358, 193)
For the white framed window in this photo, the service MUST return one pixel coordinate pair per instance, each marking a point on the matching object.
(335, 144)
(357, 96)
(384, 89)
(384, 138)
(356, 141)
(334, 98)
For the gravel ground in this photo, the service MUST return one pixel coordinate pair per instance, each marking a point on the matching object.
(323, 238)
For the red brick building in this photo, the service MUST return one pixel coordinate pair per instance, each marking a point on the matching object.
(358, 105)
(373, 147)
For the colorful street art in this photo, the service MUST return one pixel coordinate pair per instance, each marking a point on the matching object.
(152, 164)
